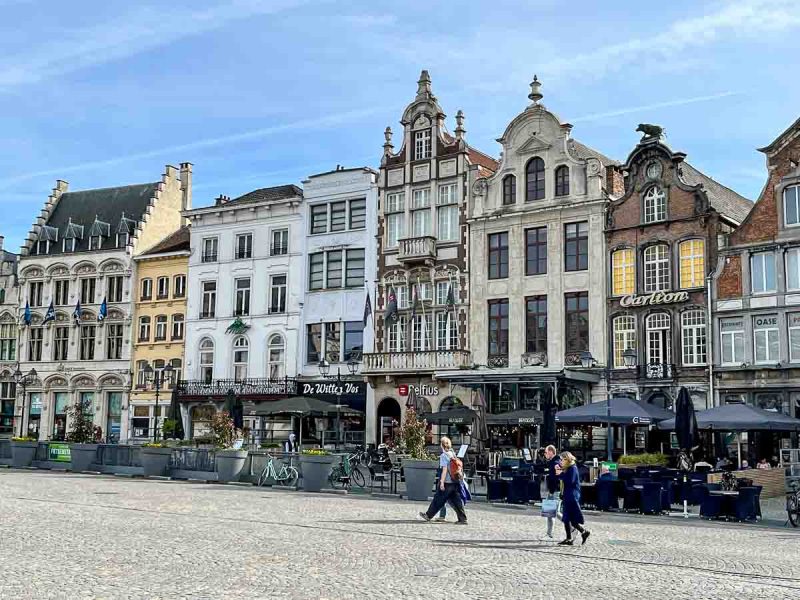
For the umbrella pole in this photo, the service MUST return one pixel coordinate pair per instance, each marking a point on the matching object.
(300, 444)
(624, 440)
(739, 447)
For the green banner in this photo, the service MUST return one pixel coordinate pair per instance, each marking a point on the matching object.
(59, 452)
(611, 466)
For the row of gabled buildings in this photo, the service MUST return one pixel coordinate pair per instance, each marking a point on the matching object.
(553, 273)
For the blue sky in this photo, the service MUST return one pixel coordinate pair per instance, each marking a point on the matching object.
(261, 92)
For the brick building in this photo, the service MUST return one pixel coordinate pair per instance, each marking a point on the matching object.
(661, 235)
(757, 300)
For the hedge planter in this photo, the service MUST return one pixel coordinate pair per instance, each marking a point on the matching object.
(155, 461)
(23, 453)
(230, 464)
(315, 469)
(83, 455)
(420, 475)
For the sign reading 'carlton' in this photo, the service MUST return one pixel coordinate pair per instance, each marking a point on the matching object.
(654, 298)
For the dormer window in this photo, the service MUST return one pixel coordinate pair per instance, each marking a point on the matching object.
(68, 245)
(42, 247)
(422, 144)
(122, 240)
(124, 230)
(95, 242)
(47, 234)
(98, 231)
(655, 205)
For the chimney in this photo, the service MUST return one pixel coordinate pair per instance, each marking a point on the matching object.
(186, 185)
(2, 239)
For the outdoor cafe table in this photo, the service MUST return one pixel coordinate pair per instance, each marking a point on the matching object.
(727, 504)
(588, 493)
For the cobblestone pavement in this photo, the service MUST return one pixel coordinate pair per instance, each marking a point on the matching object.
(81, 536)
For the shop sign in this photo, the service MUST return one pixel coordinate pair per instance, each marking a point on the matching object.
(654, 299)
(350, 393)
(770, 321)
(524, 420)
(794, 319)
(731, 324)
(419, 390)
(641, 420)
(58, 452)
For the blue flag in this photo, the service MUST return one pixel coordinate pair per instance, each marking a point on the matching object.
(51, 313)
(103, 311)
(76, 314)
(27, 316)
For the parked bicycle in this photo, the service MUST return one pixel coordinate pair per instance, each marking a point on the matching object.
(345, 474)
(793, 504)
(286, 475)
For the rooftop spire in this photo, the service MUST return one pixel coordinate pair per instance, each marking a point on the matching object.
(387, 145)
(536, 93)
(424, 84)
(460, 131)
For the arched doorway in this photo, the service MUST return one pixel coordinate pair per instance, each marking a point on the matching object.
(389, 415)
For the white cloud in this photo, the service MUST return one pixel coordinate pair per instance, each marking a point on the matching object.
(665, 104)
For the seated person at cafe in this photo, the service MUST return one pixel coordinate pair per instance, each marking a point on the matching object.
(763, 464)
(605, 474)
(745, 465)
(723, 463)
(703, 465)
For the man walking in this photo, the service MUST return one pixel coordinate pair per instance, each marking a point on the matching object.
(552, 482)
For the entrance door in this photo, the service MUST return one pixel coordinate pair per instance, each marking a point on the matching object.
(389, 415)
(60, 402)
(114, 419)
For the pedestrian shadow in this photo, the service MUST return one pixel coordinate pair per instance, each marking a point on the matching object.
(499, 544)
(378, 521)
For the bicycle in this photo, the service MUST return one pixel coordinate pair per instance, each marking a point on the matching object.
(287, 475)
(793, 504)
(344, 475)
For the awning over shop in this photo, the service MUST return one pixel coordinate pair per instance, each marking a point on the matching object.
(456, 416)
(516, 417)
(740, 417)
(300, 405)
(477, 377)
(624, 411)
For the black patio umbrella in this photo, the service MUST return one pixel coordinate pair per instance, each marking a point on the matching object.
(516, 417)
(461, 415)
(175, 415)
(740, 417)
(235, 408)
(547, 433)
(685, 421)
(624, 411)
(411, 400)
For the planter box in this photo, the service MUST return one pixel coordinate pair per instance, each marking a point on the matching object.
(23, 453)
(83, 456)
(230, 464)
(155, 461)
(315, 470)
(772, 480)
(420, 475)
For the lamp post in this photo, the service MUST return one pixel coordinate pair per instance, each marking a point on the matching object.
(157, 378)
(324, 370)
(24, 380)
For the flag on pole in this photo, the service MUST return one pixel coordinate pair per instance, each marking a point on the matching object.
(414, 299)
(76, 314)
(51, 313)
(27, 316)
(367, 309)
(101, 316)
(451, 297)
(391, 307)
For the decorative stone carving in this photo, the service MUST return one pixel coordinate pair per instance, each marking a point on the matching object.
(572, 359)
(395, 278)
(447, 168)
(111, 381)
(394, 177)
(593, 166)
(480, 187)
(534, 359)
(422, 172)
(500, 361)
(59, 272)
(84, 382)
(113, 267)
(422, 121)
(84, 269)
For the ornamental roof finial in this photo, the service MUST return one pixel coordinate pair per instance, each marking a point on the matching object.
(536, 93)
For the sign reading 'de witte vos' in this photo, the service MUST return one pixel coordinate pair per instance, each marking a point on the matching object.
(654, 298)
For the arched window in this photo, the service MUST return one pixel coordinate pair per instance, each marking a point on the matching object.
(656, 268)
(623, 272)
(509, 190)
(562, 181)
(624, 338)
(276, 358)
(534, 180)
(144, 329)
(693, 337)
(450, 403)
(659, 339)
(207, 360)
(241, 356)
(693, 263)
(655, 205)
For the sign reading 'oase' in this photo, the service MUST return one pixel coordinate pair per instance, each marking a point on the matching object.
(654, 298)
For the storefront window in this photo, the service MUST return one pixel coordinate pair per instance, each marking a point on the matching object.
(141, 422)
(34, 413)
(114, 420)
(60, 405)
(8, 393)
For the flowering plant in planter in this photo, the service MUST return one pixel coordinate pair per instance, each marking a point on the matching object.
(82, 428)
(24, 438)
(316, 452)
(412, 436)
(223, 431)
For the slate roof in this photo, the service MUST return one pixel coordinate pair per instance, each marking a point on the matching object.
(583, 151)
(724, 200)
(270, 194)
(106, 205)
(174, 242)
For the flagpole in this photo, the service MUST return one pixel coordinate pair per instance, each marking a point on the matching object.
(424, 318)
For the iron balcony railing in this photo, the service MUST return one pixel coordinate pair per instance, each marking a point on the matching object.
(243, 387)
(384, 362)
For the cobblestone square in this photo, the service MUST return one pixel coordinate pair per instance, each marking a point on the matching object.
(81, 536)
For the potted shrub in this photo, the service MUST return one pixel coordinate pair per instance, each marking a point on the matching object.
(155, 459)
(23, 451)
(229, 461)
(419, 470)
(84, 436)
(316, 467)
(641, 460)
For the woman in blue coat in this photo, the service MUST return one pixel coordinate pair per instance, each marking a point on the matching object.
(571, 513)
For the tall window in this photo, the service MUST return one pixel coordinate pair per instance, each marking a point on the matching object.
(693, 333)
(656, 268)
(659, 339)
(536, 251)
(332, 341)
(162, 288)
(161, 328)
(280, 242)
(765, 339)
(114, 288)
(8, 341)
(446, 331)
(693, 261)
(396, 336)
(316, 271)
(655, 205)
(180, 286)
(509, 190)
(576, 246)
(313, 343)
(498, 328)
(338, 216)
(87, 342)
(577, 321)
(793, 320)
(277, 294)
(421, 212)
(209, 306)
(276, 357)
(210, 247)
(353, 340)
(242, 297)
(498, 255)
(422, 144)
(534, 180)
(144, 329)
(35, 336)
(244, 245)
(791, 205)
(732, 341)
(207, 360)
(358, 213)
(319, 218)
(241, 356)
(562, 181)
(88, 290)
(762, 272)
(62, 292)
(421, 333)
(395, 218)
(624, 338)
(147, 289)
(177, 327)
(447, 213)
(333, 263)
(623, 272)
(114, 341)
(536, 324)
(354, 274)
(35, 293)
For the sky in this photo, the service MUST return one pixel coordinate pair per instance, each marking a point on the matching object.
(257, 93)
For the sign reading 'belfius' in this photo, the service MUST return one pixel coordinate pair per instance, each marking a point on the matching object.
(654, 298)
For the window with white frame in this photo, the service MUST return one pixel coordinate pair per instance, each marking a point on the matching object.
(161, 328)
(319, 218)
(421, 198)
(146, 289)
(62, 292)
(448, 194)
(397, 335)
(766, 339)
(442, 288)
(655, 205)
(421, 333)
(8, 341)
(276, 357)
(422, 289)
(114, 288)
(446, 331)
(113, 341)
(793, 321)
(87, 342)
(280, 242)
(762, 272)
(244, 245)
(791, 205)
(210, 247)
(241, 358)
(692, 261)
(60, 343)
(162, 288)
(624, 338)
(659, 339)
(35, 337)
(206, 360)
(358, 213)
(731, 334)
(180, 286)
(395, 218)
(793, 269)
(177, 327)
(421, 222)
(209, 301)
(656, 268)
(277, 294)
(447, 223)
(144, 329)
(242, 306)
(338, 216)
(422, 144)
(402, 296)
(693, 334)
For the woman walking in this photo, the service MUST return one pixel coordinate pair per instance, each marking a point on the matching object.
(570, 498)
(447, 490)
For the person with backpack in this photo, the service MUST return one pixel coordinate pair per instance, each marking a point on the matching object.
(552, 483)
(571, 515)
(448, 488)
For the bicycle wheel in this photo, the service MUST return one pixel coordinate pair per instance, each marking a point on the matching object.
(357, 477)
(292, 476)
(335, 478)
(263, 476)
(793, 509)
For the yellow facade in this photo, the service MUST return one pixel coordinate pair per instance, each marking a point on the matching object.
(159, 329)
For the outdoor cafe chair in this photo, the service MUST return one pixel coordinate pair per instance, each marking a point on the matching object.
(518, 490)
(745, 506)
(606, 495)
(651, 498)
(698, 492)
(535, 489)
(758, 499)
(633, 498)
(496, 490)
(376, 477)
(711, 506)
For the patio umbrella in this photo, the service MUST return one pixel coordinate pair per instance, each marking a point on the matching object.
(461, 415)
(516, 417)
(685, 421)
(740, 417)
(481, 431)
(547, 434)
(411, 400)
(624, 411)
(175, 415)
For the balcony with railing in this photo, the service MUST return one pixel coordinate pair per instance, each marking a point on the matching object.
(417, 249)
(387, 362)
(253, 389)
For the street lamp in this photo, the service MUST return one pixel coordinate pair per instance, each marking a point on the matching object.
(324, 370)
(157, 378)
(24, 380)
(629, 358)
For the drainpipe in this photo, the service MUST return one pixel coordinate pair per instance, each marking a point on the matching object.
(710, 342)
